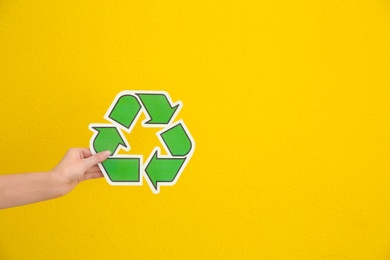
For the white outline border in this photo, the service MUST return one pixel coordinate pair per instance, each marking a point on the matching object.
(157, 149)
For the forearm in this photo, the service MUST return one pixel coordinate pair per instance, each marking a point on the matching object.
(21, 189)
(77, 165)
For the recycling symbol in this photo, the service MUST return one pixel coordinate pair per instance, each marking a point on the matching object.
(128, 169)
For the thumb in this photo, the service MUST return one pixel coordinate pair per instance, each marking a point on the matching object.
(96, 158)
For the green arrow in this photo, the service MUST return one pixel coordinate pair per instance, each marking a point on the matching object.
(177, 140)
(163, 169)
(122, 169)
(125, 110)
(107, 138)
(158, 108)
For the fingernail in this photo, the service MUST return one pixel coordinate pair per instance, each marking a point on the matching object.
(107, 153)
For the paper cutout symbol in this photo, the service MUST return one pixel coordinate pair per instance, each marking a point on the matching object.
(158, 170)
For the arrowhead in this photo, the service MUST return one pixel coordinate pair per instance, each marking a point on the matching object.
(158, 107)
(108, 138)
(163, 169)
(164, 116)
(152, 167)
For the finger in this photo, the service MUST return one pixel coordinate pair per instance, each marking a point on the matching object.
(94, 168)
(93, 175)
(86, 152)
(96, 158)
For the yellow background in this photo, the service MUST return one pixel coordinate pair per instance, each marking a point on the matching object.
(288, 102)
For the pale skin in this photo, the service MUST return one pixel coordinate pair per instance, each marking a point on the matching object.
(77, 165)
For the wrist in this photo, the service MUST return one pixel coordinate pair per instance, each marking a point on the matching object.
(61, 185)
